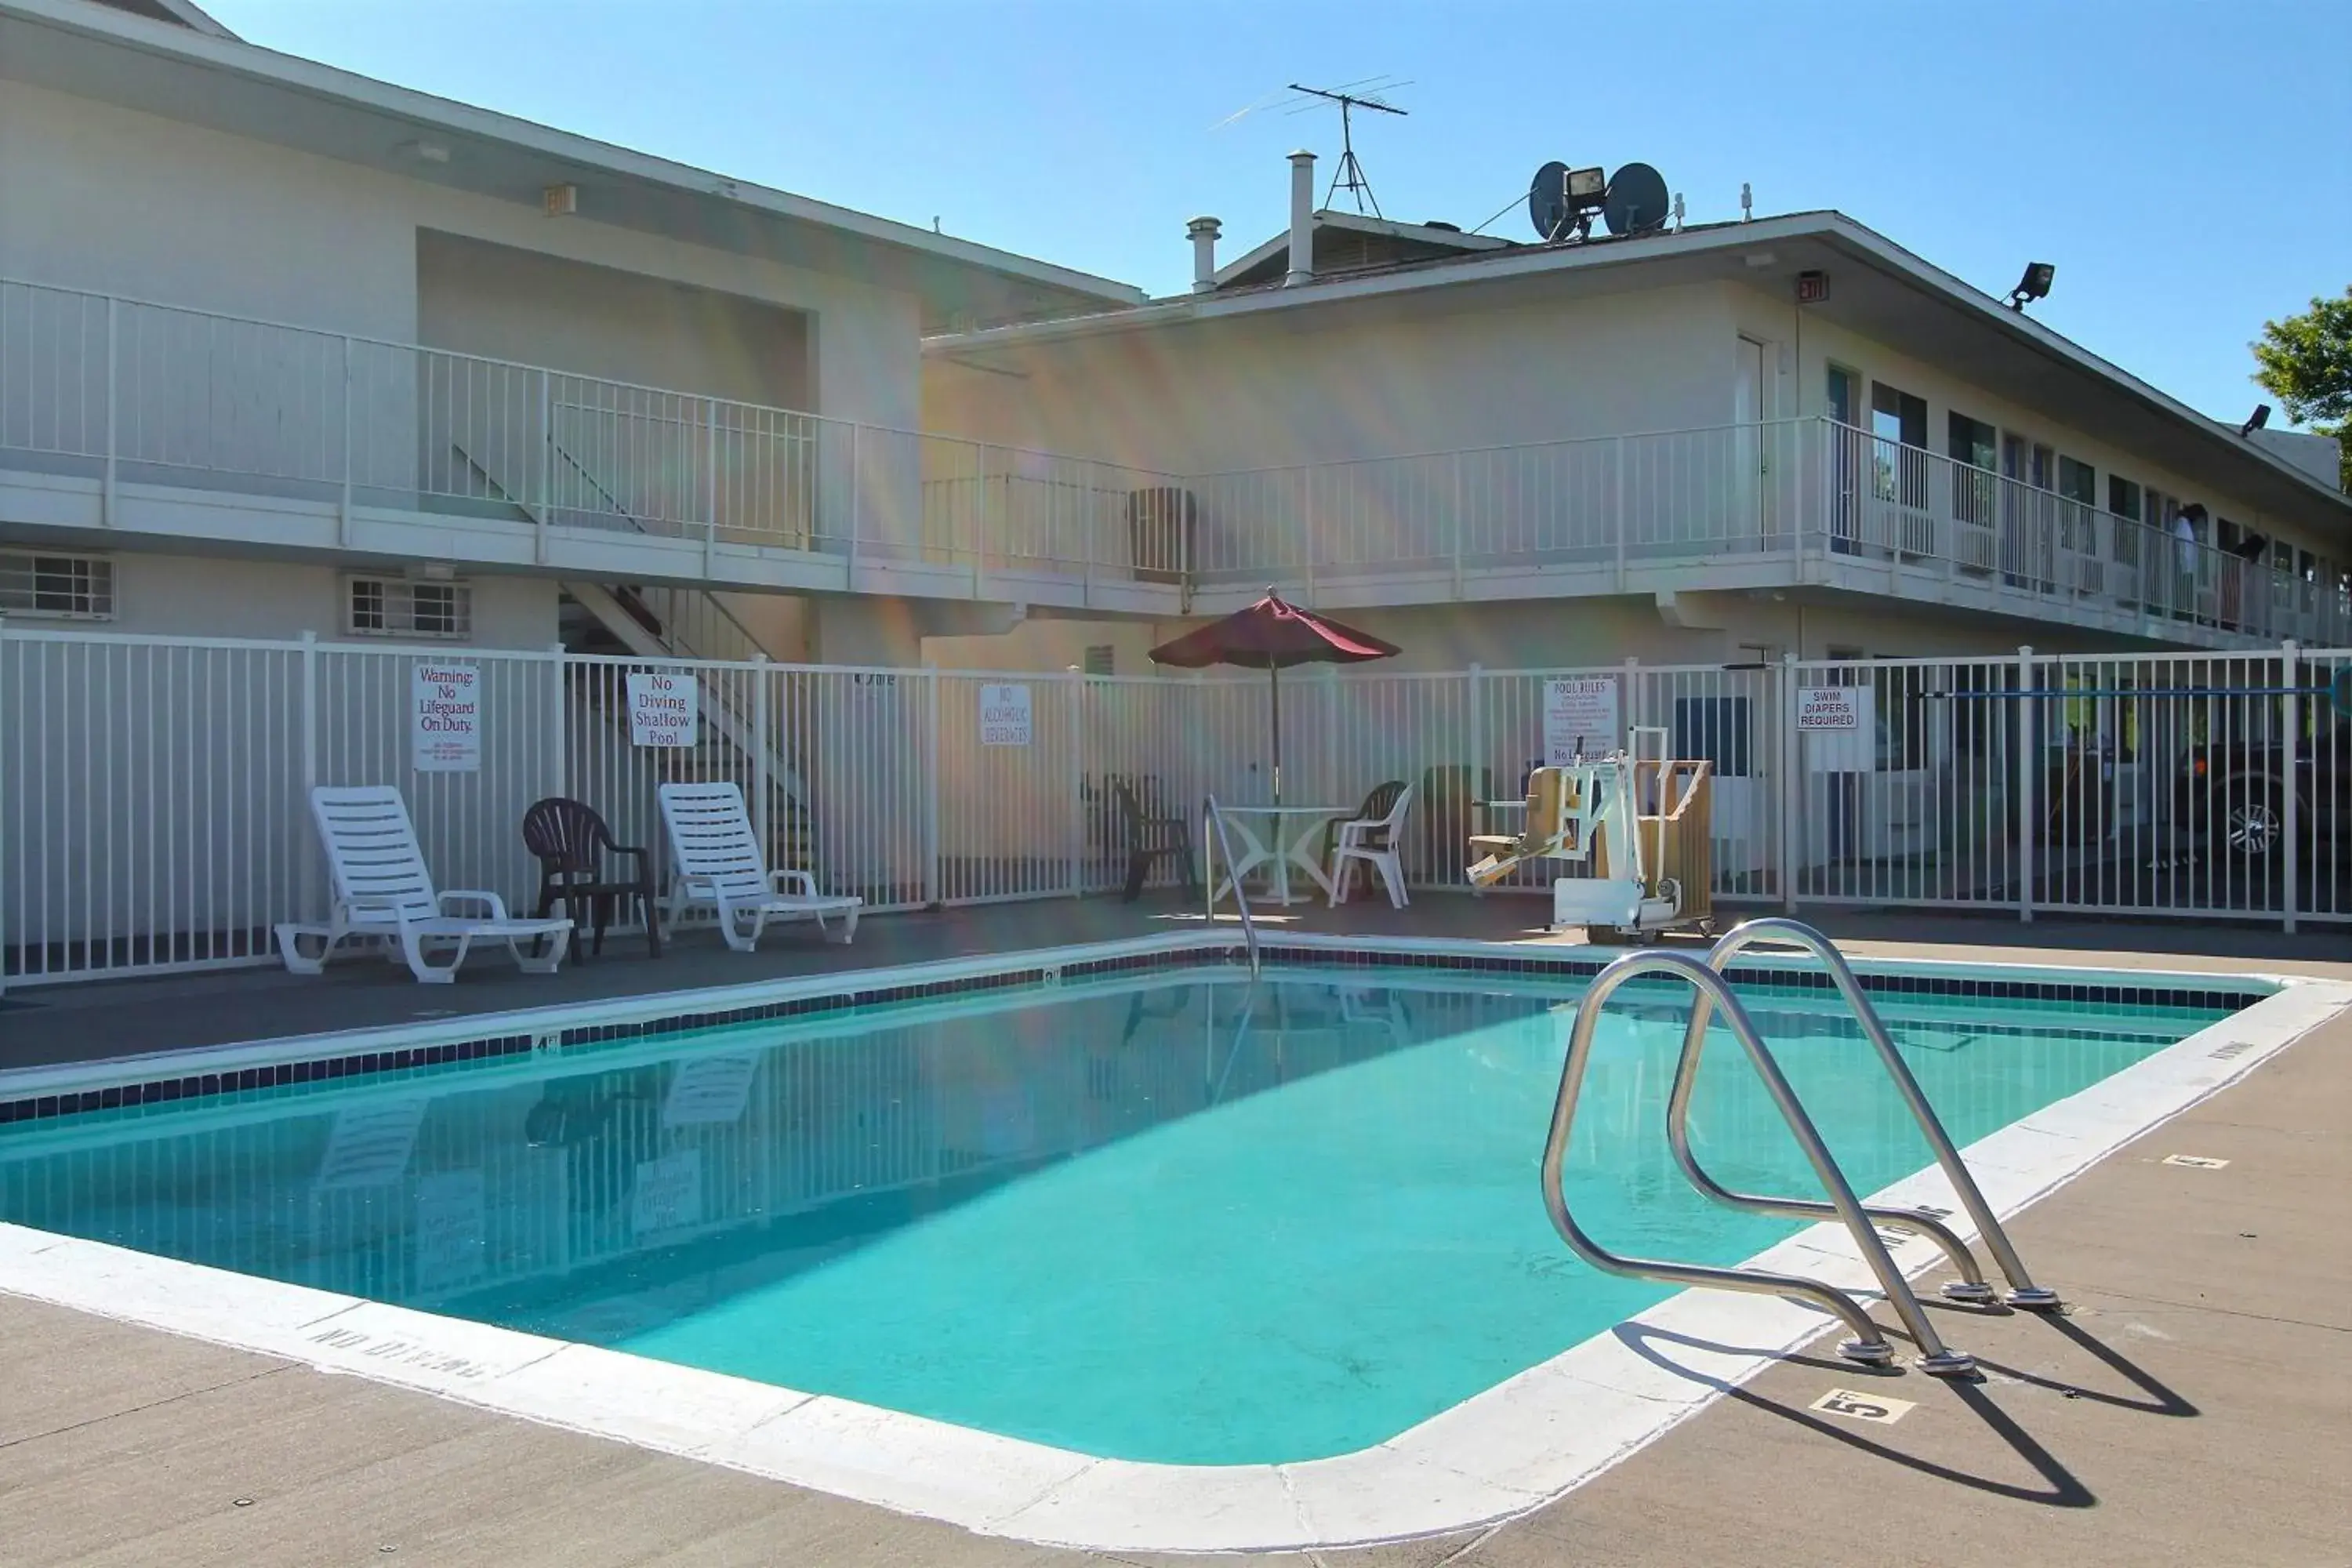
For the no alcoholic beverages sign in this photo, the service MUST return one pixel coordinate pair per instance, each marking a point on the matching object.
(1005, 715)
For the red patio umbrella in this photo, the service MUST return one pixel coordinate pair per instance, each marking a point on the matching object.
(1272, 636)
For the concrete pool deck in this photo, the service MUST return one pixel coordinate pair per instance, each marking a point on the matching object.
(2195, 1405)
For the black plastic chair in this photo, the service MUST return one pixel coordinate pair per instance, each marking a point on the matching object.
(1149, 841)
(572, 843)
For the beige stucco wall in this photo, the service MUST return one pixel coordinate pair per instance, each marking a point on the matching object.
(1801, 388)
(1048, 646)
(213, 596)
(105, 199)
(506, 303)
(1277, 388)
(1371, 379)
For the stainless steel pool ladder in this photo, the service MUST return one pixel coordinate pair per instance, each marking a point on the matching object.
(1869, 1341)
(1971, 1286)
(1215, 839)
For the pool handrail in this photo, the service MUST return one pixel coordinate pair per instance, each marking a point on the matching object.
(1970, 1288)
(1211, 841)
(1869, 1344)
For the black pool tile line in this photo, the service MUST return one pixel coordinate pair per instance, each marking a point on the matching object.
(157, 1091)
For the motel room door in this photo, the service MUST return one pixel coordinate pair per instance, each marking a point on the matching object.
(1751, 512)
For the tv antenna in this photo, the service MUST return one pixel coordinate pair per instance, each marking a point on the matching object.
(1349, 175)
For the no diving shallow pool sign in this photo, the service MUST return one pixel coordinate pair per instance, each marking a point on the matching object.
(1005, 715)
(663, 709)
(445, 717)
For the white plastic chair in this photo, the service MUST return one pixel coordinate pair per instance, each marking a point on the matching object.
(715, 859)
(383, 889)
(1373, 840)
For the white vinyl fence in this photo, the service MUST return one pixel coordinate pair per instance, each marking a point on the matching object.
(152, 813)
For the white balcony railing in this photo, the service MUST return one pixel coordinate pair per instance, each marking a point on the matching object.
(133, 392)
(2043, 554)
(1603, 503)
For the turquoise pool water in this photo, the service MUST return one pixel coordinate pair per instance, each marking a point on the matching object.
(1185, 1221)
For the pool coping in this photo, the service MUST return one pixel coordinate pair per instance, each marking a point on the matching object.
(1501, 1453)
(166, 1077)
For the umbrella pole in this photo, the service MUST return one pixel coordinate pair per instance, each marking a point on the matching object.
(1274, 674)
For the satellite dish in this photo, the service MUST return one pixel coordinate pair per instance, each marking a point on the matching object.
(1548, 200)
(1637, 200)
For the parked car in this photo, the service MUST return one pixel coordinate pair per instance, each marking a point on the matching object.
(2234, 791)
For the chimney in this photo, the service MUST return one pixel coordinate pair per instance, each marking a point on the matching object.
(1302, 219)
(1204, 232)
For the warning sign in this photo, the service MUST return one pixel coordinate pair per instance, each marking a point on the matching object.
(445, 717)
(662, 709)
(1005, 715)
(1829, 708)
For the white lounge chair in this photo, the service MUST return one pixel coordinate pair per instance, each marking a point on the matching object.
(1373, 840)
(715, 859)
(383, 889)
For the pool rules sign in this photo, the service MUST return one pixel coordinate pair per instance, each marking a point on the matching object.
(444, 701)
(1579, 719)
(663, 709)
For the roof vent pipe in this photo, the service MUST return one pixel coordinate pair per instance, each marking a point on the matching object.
(1302, 219)
(1204, 232)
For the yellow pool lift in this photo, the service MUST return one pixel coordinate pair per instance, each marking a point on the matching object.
(1636, 824)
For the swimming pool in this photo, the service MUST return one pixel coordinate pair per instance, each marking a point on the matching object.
(1176, 1219)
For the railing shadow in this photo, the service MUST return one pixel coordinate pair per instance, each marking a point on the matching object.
(2162, 1400)
(2064, 1490)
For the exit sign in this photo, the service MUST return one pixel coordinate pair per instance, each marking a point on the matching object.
(1813, 287)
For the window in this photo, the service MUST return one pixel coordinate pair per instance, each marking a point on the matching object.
(2123, 497)
(2078, 481)
(1102, 659)
(395, 607)
(1844, 396)
(1899, 421)
(1715, 728)
(1972, 440)
(1895, 416)
(71, 587)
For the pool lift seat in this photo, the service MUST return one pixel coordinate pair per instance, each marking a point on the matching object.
(1714, 993)
(1637, 824)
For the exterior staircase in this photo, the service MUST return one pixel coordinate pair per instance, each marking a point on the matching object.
(671, 623)
(629, 621)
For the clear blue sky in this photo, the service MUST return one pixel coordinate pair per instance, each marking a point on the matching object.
(2186, 163)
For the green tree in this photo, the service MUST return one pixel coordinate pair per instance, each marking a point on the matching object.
(2306, 361)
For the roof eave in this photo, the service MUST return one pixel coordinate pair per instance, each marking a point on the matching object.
(1833, 228)
(1998, 314)
(222, 51)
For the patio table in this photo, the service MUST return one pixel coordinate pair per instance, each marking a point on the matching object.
(1301, 846)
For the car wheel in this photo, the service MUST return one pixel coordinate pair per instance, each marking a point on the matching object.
(2251, 825)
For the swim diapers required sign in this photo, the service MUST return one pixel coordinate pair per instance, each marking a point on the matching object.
(1831, 707)
(663, 710)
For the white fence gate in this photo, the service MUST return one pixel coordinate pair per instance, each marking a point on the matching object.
(152, 811)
